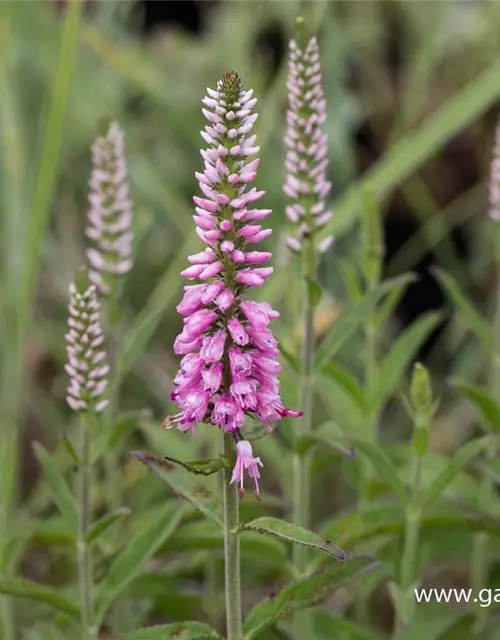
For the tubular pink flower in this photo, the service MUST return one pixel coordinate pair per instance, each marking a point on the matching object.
(86, 367)
(246, 461)
(494, 210)
(229, 369)
(110, 213)
(306, 186)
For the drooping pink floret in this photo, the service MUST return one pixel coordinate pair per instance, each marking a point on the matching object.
(86, 365)
(246, 461)
(306, 186)
(110, 213)
(494, 210)
(230, 368)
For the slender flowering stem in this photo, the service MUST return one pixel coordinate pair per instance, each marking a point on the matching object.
(234, 628)
(306, 189)
(110, 257)
(89, 632)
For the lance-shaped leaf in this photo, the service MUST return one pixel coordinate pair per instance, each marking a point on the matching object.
(103, 524)
(486, 405)
(314, 291)
(358, 527)
(460, 460)
(304, 593)
(383, 464)
(328, 625)
(131, 560)
(393, 367)
(474, 320)
(183, 484)
(347, 381)
(202, 467)
(176, 631)
(40, 593)
(61, 493)
(350, 320)
(293, 533)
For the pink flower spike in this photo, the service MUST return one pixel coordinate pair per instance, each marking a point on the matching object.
(229, 369)
(246, 461)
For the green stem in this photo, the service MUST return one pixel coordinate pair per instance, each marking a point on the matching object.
(411, 541)
(302, 463)
(230, 496)
(480, 564)
(89, 632)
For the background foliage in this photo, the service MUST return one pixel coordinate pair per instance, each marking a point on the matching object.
(413, 91)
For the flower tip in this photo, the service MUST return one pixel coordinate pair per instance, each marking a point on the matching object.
(241, 493)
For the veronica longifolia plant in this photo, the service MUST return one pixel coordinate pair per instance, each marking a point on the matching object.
(229, 368)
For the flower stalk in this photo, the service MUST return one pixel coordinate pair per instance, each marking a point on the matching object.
(234, 626)
(306, 190)
(89, 632)
(422, 409)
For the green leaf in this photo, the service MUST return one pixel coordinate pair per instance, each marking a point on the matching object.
(328, 625)
(19, 588)
(351, 280)
(304, 593)
(357, 527)
(293, 533)
(202, 467)
(474, 320)
(314, 291)
(352, 318)
(176, 631)
(111, 437)
(61, 493)
(183, 484)
(71, 450)
(103, 524)
(487, 406)
(394, 365)
(461, 629)
(130, 562)
(460, 459)
(384, 466)
(347, 381)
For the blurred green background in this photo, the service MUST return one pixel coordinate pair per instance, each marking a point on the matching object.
(413, 90)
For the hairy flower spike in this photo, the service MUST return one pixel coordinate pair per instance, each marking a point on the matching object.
(306, 186)
(229, 369)
(494, 210)
(110, 214)
(86, 365)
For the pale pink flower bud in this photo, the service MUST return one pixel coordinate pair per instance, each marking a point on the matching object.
(86, 368)
(110, 212)
(306, 186)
